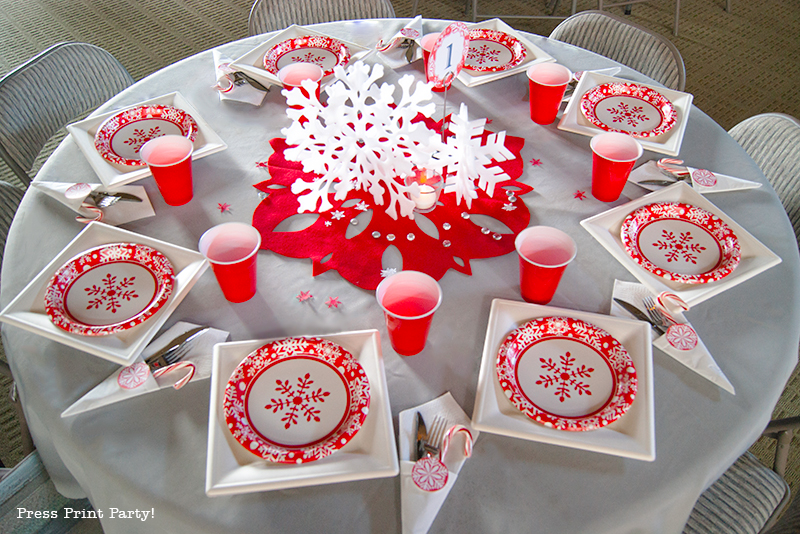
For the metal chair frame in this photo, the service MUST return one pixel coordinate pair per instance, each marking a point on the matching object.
(270, 15)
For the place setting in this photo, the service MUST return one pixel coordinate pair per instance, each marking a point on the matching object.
(654, 115)
(107, 293)
(111, 141)
(297, 44)
(299, 411)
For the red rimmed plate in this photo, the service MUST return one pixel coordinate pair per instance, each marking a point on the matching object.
(323, 51)
(121, 136)
(109, 289)
(493, 51)
(680, 242)
(566, 373)
(296, 400)
(629, 108)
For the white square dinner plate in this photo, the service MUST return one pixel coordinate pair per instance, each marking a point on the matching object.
(630, 436)
(533, 55)
(371, 453)
(27, 310)
(114, 175)
(252, 62)
(572, 120)
(755, 257)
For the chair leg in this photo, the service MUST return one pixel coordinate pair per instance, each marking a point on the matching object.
(782, 452)
(414, 7)
(728, 6)
(677, 16)
(474, 10)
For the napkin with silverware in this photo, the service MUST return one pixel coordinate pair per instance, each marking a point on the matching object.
(403, 47)
(419, 507)
(653, 176)
(676, 338)
(234, 85)
(132, 203)
(138, 379)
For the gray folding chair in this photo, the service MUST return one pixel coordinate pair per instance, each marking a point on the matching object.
(52, 89)
(629, 44)
(750, 497)
(271, 15)
(773, 141)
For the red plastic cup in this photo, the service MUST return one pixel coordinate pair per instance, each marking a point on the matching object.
(293, 74)
(409, 300)
(169, 158)
(544, 253)
(547, 83)
(232, 250)
(614, 155)
(426, 43)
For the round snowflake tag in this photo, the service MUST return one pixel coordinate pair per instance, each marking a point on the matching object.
(429, 474)
(133, 376)
(682, 337)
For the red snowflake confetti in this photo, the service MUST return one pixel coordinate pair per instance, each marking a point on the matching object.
(262, 164)
(333, 302)
(224, 207)
(580, 195)
(304, 296)
(535, 162)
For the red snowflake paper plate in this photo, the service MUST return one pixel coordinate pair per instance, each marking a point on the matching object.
(680, 242)
(493, 51)
(323, 51)
(108, 289)
(296, 400)
(566, 373)
(629, 108)
(121, 136)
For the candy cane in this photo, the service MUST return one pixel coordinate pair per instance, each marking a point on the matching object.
(672, 166)
(174, 367)
(452, 431)
(98, 213)
(670, 303)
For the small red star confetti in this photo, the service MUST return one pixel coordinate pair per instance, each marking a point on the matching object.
(224, 207)
(580, 195)
(488, 121)
(536, 162)
(333, 302)
(261, 164)
(304, 296)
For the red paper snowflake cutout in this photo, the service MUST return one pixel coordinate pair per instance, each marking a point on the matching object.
(357, 254)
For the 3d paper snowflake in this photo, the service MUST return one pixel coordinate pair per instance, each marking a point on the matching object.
(468, 156)
(361, 140)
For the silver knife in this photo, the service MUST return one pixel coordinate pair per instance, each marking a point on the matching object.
(422, 436)
(639, 314)
(120, 195)
(157, 360)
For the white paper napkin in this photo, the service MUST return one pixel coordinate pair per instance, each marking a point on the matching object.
(109, 391)
(120, 213)
(419, 507)
(226, 87)
(675, 345)
(391, 52)
(610, 71)
(703, 181)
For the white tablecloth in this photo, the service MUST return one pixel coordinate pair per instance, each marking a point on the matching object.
(149, 453)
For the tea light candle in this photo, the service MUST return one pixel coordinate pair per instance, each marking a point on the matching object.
(429, 189)
(426, 198)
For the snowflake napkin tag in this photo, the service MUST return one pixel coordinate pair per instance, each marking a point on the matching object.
(681, 341)
(394, 52)
(364, 140)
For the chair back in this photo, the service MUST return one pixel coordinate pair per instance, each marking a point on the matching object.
(627, 43)
(47, 92)
(773, 141)
(271, 15)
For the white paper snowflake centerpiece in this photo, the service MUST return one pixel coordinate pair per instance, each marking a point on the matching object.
(360, 140)
(465, 159)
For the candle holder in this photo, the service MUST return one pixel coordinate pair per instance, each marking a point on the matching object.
(430, 187)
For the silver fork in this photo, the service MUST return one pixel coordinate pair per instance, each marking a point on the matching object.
(656, 315)
(172, 356)
(101, 200)
(438, 429)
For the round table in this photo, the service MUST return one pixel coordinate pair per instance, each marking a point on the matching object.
(149, 453)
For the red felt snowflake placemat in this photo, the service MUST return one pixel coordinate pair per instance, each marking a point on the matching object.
(359, 258)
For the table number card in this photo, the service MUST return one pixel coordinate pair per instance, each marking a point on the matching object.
(448, 55)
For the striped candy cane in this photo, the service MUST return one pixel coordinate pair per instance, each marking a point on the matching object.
(672, 166)
(452, 431)
(670, 303)
(175, 367)
(98, 213)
